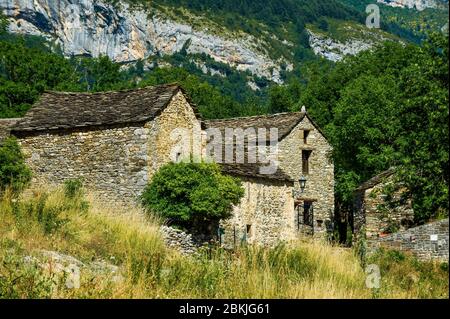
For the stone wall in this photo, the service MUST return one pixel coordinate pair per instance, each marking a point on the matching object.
(110, 160)
(428, 241)
(377, 215)
(175, 130)
(179, 240)
(115, 162)
(320, 180)
(267, 208)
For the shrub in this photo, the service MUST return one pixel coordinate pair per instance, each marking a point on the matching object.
(73, 188)
(192, 195)
(13, 171)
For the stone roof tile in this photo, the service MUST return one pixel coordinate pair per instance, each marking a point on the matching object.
(284, 122)
(65, 110)
(253, 170)
(377, 179)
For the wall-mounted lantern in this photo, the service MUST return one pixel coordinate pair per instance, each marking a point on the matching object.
(302, 183)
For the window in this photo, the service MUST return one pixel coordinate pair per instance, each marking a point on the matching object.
(249, 230)
(305, 161)
(305, 215)
(305, 136)
(308, 216)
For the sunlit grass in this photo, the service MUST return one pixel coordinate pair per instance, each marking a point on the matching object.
(86, 229)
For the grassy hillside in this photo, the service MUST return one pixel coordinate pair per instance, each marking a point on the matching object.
(64, 221)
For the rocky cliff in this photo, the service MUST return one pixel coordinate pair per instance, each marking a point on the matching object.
(93, 28)
(335, 50)
(415, 4)
(127, 34)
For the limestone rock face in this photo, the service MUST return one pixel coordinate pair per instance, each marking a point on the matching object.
(334, 50)
(94, 27)
(415, 4)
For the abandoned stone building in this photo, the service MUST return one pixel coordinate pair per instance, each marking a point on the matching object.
(384, 216)
(379, 211)
(116, 141)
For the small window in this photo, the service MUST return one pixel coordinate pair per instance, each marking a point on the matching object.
(177, 157)
(305, 136)
(249, 230)
(308, 215)
(305, 161)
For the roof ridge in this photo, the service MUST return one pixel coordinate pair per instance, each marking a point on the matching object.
(174, 84)
(256, 116)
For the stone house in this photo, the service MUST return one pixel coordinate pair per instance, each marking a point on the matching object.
(116, 141)
(379, 211)
(274, 205)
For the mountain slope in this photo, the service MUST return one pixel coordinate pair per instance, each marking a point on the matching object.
(264, 40)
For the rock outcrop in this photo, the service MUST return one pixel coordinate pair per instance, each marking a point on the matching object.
(415, 4)
(125, 34)
(335, 50)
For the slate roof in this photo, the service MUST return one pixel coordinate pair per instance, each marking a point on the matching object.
(252, 170)
(65, 110)
(5, 127)
(377, 179)
(285, 122)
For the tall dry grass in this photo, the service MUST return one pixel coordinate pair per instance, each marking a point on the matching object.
(85, 228)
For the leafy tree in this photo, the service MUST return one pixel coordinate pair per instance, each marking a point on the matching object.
(3, 23)
(423, 145)
(13, 171)
(26, 72)
(387, 108)
(192, 195)
(100, 74)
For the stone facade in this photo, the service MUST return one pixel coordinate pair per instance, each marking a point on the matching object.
(270, 211)
(319, 188)
(428, 241)
(265, 214)
(378, 214)
(179, 240)
(115, 161)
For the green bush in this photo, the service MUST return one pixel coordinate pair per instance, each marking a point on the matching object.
(13, 171)
(73, 188)
(192, 195)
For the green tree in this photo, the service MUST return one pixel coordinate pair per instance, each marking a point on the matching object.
(26, 72)
(423, 145)
(387, 108)
(192, 195)
(13, 171)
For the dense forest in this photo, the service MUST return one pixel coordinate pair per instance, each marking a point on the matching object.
(385, 107)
